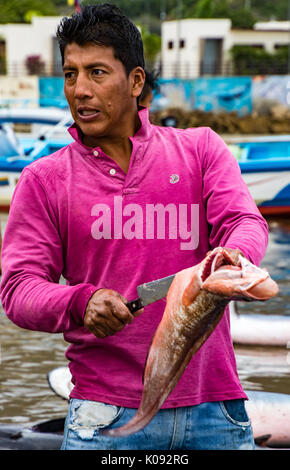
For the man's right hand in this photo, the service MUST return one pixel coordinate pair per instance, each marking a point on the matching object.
(106, 313)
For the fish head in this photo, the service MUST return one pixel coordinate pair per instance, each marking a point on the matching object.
(228, 273)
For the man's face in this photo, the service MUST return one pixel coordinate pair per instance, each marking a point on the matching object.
(100, 95)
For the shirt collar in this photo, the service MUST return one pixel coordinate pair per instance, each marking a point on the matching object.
(142, 134)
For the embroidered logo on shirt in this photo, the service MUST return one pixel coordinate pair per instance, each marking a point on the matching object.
(174, 179)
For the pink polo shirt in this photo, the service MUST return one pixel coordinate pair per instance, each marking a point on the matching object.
(76, 213)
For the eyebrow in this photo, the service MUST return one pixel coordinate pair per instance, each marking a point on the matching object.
(87, 67)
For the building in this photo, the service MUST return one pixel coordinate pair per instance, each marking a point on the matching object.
(198, 47)
(190, 47)
(20, 41)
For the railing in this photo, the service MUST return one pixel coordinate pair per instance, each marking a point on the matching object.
(182, 69)
(18, 69)
(226, 68)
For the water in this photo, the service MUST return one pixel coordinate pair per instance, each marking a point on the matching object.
(27, 356)
(263, 367)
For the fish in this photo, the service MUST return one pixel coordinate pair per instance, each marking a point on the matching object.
(195, 304)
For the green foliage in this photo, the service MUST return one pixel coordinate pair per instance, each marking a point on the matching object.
(240, 16)
(243, 19)
(152, 45)
(267, 9)
(204, 9)
(17, 11)
(249, 60)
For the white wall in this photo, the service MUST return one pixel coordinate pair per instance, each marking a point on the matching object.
(266, 38)
(23, 40)
(192, 31)
(184, 63)
(36, 38)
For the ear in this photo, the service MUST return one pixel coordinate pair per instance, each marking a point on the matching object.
(137, 76)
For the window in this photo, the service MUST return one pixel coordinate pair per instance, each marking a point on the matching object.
(181, 43)
(170, 44)
(280, 47)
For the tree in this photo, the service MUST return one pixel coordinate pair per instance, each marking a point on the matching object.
(243, 19)
(240, 16)
(204, 9)
(15, 11)
(250, 60)
(152, 45)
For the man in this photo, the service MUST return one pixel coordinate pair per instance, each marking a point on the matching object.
(126, 203)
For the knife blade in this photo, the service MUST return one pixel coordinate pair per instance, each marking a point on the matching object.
(150, 292)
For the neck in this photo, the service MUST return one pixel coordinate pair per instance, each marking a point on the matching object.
(117, 145)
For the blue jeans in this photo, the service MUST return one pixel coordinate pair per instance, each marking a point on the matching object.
(208, 426)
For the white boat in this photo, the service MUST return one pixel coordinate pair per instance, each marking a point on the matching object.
(270, 418)
(37, 115)
(259, 329)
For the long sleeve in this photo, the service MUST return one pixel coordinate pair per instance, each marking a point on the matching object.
(32, 263)
(234, 220)
(72, 215)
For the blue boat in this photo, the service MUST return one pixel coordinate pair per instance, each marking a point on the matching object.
(18, 152)
(265, 165)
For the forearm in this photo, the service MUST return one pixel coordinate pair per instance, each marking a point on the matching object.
(32, 263)
(250, 235)
(234, 220)
(245, 230)
(37, 304)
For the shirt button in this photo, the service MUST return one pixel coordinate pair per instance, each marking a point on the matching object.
(112, 171)
(96, 153)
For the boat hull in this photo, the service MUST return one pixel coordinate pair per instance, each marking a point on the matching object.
(270, 190)
(265, 166)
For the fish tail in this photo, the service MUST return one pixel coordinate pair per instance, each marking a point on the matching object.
(138, 422)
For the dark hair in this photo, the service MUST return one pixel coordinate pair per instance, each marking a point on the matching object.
(104, 25)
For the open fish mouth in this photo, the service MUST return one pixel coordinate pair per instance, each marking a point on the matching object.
(195, 304)
(234, 276)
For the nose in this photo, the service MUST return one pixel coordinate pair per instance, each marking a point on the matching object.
(82, 87)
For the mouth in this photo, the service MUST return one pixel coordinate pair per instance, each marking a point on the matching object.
(87, 114)
(234, 276)
(219, 258)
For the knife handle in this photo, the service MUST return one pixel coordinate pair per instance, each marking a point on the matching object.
(135, 305)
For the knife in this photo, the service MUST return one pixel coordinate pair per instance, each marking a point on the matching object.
(150, 292)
